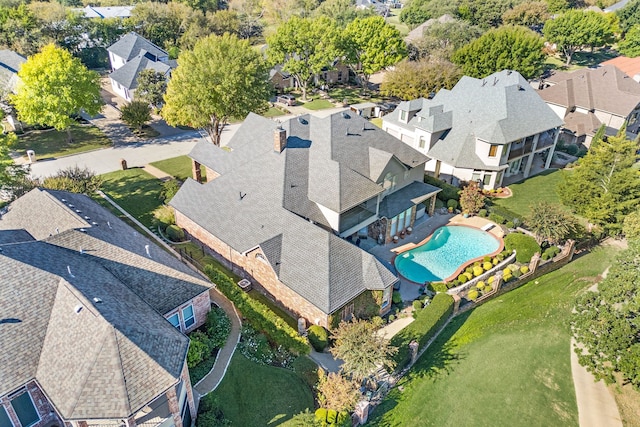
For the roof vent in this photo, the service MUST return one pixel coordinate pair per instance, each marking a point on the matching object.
(78, 308)
(94, 223)
(57, 230)
(83, 230)
(303, 121)
(109, 225)
(87, 218)
(97, 300)
(520, 87)
(81, 251)
(69, 271)
(146, 249)
(71, 206)
(63, 200)
(78, 211)
(345, 115)
(509, 72)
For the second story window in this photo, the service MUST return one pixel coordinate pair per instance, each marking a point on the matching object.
(403, 116)
(389, 181)
(422, 142)
(493, 150)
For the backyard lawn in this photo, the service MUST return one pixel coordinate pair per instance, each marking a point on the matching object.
(273, 112)
(257, 395)
(51, 143)
(507, 362)
(538, 188)
(135, 191)
(178, 167)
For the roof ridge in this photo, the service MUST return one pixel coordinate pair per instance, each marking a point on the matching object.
(62, 205)
(121, 364)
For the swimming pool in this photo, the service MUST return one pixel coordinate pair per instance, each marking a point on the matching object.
(448, 248)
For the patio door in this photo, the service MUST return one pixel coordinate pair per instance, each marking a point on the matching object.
(394, 226)
(407, 217)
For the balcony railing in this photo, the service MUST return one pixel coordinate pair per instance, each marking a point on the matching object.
(544, 142)
(520, 150)
(353, 217)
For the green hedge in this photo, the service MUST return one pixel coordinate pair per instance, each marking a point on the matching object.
(259, 315)
(448, 191)
(505, 213)
(525, 246)
(318, 337)
(427, 323)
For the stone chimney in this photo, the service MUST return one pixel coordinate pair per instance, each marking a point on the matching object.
(279, 139)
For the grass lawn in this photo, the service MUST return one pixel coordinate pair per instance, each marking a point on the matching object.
(353, 95)
(178, 167)
(580, 59)
(318, 104)
(147, 132)
(273, 112)
(538, 188)
(135, 191)
(394, 20)
(505, 363)
(51, 143)
(257, 395)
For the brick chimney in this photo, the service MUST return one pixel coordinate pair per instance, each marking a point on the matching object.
(279, 139)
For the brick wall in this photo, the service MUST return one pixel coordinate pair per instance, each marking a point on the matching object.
(255, 265)
(43, 407)
(201, 306)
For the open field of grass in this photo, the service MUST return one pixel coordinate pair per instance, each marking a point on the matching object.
(505, 363)
(51, 143)
(535, 189)
(257, 395)
(135, 191)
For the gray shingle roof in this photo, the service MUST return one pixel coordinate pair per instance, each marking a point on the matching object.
(113, 357)
(499, 109)
(127, 75)
(10, 64)
(130, 45)
(271, 196)
(406, 197)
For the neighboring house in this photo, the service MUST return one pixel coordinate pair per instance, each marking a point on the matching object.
(92, 319)
(629, 66)
(481, 130)
(282, 202)
(588, 98)
(378, 6)
(280, 79)
(107, 12)
(617, 6)
(417, 33)
(10, 64)
(339, 73)
(129, 56)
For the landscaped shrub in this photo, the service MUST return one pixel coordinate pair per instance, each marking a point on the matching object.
(488, 288)
(472, 295)
(175, 233)
(318, 337)
(491, 279)
(452, 204)
(545, 256)
(218, 327)
(417, 304)
(332, 416)
(427, 323)
(516, 273)
(321, 415)
(198, 349)
(550, 252)
(487, 266)
(525, 246)
(169, 189)
(500, 257)
(463, 278)
(163, 216)
(469, 275)
(495, 261)
(482, 213)
(524, 269)
(469, 270)
(486, 259)
(437, 287)
(391, 318)
(448, 191)
(258, 314)
(496, 218)
(507, 276)
(480, 285)
(509, 224)
(477, 270)
(396, 298)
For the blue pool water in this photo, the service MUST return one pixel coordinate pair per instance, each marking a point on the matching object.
(444, 253)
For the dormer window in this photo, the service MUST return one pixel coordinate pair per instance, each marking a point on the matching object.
(422, 142)
(403, 116)
(493, 150)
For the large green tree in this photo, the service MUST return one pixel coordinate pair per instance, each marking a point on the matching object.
(152, 86)
(361, 348)
(221, 78)
(440, 39)
(606, 322)
(630, 46)
(629, 15)
(305, 46)
(53, 87)
(509, 47)
(551, 223)
(372, 45)
(486, 13)
(577, 29)
(415, 79)
(11, 174)
(604, 187)
(527, 14)
(136, 114)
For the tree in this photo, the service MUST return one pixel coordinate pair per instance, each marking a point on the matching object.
(576, 29)
(152, 86)
(73, 179)
(630, 46)
(304, 47)
(604, 187)
(11, 174)
(162, 23)
(551, 223)
(629, 15)
(337, 392)
(221, 78)
(54, 86)
(372, 45)
(440, 39)
(411, 80)
(136, 114)
(631, 225)
(509, 47)
(361, 349)
(605, 322)
(20, 30)
(471, 198)
(486, 13)
(527, 14)
(342, 11)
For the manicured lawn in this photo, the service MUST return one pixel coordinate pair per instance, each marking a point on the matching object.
(505, 363)
(178, 167)
(273, 112)
(135, 191)
(394, 20)
(51, 143)
(580, 60)
(538, 188)
(353, 95)
(318, 104)
(257, 395)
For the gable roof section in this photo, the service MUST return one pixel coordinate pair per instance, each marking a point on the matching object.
(130, 45)
(629, 66)
(127, 75)
(606, 89)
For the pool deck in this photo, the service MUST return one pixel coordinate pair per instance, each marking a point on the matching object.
(422, 231)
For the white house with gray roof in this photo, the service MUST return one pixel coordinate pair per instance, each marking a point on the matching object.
(493, 130)
(92, 319)
(282, 202)
(129, 56)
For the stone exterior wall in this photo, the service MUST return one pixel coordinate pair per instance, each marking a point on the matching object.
(41, 403)
(201, 306)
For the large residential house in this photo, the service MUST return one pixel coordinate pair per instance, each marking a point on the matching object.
(629, 66)
(10, 64)
(493, 130)
(283, 200)
(588, 98)
(129, 56)
(92, 319)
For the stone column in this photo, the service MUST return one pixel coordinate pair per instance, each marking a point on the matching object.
(552, 149)
(436, 174)
(174, 406)
(432, 205)
(456, 303)
(535, 262)
(570, 248)
(195, 171)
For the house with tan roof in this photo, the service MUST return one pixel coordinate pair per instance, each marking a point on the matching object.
(286, 204)
(589, 98)
(92, 319)
(494, 130)
(629, 66)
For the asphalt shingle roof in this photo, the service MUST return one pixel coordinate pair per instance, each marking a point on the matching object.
(115, 354)
(272, 199)
(127, 75)
(130, 45)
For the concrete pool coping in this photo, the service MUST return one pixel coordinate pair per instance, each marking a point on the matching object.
(458, 220)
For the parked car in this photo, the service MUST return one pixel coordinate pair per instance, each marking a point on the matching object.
(286, 99)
